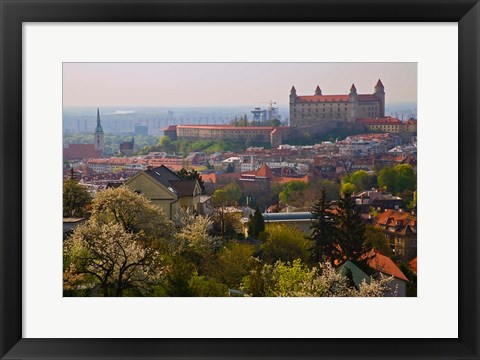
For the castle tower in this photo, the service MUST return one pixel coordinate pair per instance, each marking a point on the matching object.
(352, 98)
(318, 91)
(380, 94)
(99, 136)
(293, 99)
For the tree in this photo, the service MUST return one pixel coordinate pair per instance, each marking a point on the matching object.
(398, 179)
(220, 198)
(361, 179)
(233, 263)
(405, 178)
(285, 243)
(234, 193)
(194, 241)
(166, 144)
(256, 224)
(112, 258)
(133, 212)
(75, 198)
(324, 230)
(289, 189)
(351, 230)
(387, 179)
(296, 279)
(348, 187)
(375, 238)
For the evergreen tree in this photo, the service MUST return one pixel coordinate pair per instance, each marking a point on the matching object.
(256, 224)
(351, 235)
(324, 230)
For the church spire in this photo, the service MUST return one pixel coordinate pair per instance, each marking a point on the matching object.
(99, 128)
(318, 91)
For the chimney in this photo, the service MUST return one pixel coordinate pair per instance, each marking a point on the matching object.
(149, 167)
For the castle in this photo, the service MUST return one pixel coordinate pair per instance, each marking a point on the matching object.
(313, 109)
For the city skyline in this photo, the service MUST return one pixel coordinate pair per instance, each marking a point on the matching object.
(227, 84)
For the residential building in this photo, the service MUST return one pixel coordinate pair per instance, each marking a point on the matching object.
(377, 200)
(167, 190)
(401, 230)
(384, 265)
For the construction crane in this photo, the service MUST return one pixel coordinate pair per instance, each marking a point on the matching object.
(270, 113)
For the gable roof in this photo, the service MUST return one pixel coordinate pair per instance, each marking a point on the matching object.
(357, 274)
(402, 223)
(170, 180)
(264, 172)
(384, 264)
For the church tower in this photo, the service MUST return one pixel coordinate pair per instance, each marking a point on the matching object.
(380, 94)
(99, 136)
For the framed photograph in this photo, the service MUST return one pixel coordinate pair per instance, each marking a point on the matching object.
(122, 100)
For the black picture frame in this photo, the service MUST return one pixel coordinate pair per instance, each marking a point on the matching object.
(15, 12)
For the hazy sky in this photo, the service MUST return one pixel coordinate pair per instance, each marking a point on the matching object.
(224, 84)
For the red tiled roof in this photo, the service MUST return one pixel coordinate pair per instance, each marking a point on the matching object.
(282, 180)
(209, 177)
(264, 172)
(391, 217)
(170, 128)
(322, 98)
(384, 264)
(224, 127)
(380, 121)
(413, 265)
(81, 151)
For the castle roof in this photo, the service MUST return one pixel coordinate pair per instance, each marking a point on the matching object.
(322, 98)
(379, 84)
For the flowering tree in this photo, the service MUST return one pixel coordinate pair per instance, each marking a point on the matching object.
(297, 280)
(133, 212)
(112, 258)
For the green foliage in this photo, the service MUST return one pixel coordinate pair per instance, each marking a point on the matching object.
(233, 192)
(285, 243)
(361, 179)
(203, 286)
(289, 189)
(348, 187)
(233, 263)
(324, 230)
(75, 198)
(375, 238)
(256, 224)
(412, 277)
(296, 279)
(398, 179)
(351, 229)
